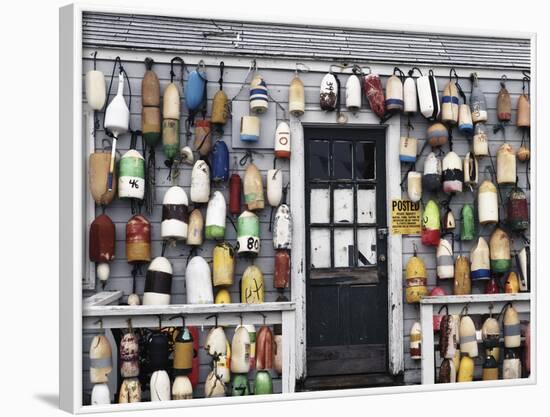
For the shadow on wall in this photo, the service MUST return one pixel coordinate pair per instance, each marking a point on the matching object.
(50, 399)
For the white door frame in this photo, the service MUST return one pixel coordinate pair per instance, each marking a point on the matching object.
(298, 255)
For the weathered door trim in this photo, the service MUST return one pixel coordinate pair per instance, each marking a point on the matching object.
(298, 258)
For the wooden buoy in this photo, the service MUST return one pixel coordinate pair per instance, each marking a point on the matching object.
(100, 360)
(394, 94)
(462, 282)
(138, 239)
(447, 372)
(524, 111)
(223, 264)
(512, 330)
(130, 391)
(258, 95)
(203, 137)
(499, 245)
(481, 141)
(517, 210)
(175, 217)
(449, 104)
(481, 269)
(328, 94)
(506, 165)
(375, 94)
(252, 285)
(487, 204)
(445, 261)
(490, 369)
(282, 139)
(253, 188)
(504, 103)
(438, 134)
(296, 97)
(150, 101)
(195, 230)
(99, 163)
(416, 280)
(129, 355)
(511, 365)
(158, 282)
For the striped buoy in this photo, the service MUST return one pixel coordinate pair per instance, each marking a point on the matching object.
(100, 360)
(499, 245)
(479, 255)
(431, 224)
(215, 217)
(248, 234)
(131, 179)
(431, 179)
(438, 134)
(407, 149)
(467, 336)
(258, 95)
(138, 239)
(394, 93)
(428, 96)
(490, 333)
(150, 101)
(415, 341)
(449, 104)
(182, 388)
(512, 330)
(282, 140)
(452, 174)
(158, 282)
(445, 260)
(175, 218)
(250, 129)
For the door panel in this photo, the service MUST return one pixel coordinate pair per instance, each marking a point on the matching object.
(346, 283)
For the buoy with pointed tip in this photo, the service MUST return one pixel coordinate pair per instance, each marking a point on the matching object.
(462, 281)
(100, 394)
(99, 163)
(158, 282)
(512, 331)
(467, 224)
(258, 95)
(415, 348)
(328, 95)
(138, 239)
(220, 162)
(150, 101)
(102, 241)
(200, 182)
(253, 188)
(481, 269)
(281, 272)
(215, 217)
(296, 97)
(353, 93)
(215, 343)
(248, 234)
(101, 363)
(264, 349)
(240, 349)
(130, 391)
(223, 264)
(203, 137)
(511, 286)
(223, 296)
(453, 176)
(517, 210)
(431, 224)
(175, 217)
(282, 140)
(506, 165)
(487, 205)
(194, 231)
(129, 355)
(195, 91)
(274, 187)
(374, 93)
(466, 369)
(198, 282)
(467, 336)
(490, 333)
(252, 286)
(160, 386)
(428, 96)
(448, 223)
(282, 228)
(445, 261)
(523, 259)
(449, 104)
(416, 280)
(95, 88)
(471, 170)
(504, 103)
(407, 149)
(182, 388)
(431, 179)
(524, 111)
(414, 186)
(394, 93)
(511, 365)
(499, 246)
(214, 385)
(447, 372)
(410, 99)
(478, 103)
(171, 121)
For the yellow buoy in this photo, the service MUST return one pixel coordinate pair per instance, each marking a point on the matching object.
(223, 264)
(252, 286)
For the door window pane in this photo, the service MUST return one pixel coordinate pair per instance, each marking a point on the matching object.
(320, 248)
(366, 246)
(343, 205)
(343, 248)
(366, 204)
(318, 159)
(365, 157)
(342, 160)
(319, 205)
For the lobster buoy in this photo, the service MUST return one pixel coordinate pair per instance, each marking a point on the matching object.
(410, 99)
(264, 349)
(524, 111)
(195, 90)
(263, 384)
(248, 234)
(175, 218)
(478, 103)
(102, 245)
(129, 355)
(203, 137)
(487, 208)
(448, 337)
(282, 228)
(481, 269)
(101, 363)
(100, 394)
(523, 259)
(375, 94)
(130, 391)
(480, 141)
(158, 282)
(274, 187)
(171, 121)
(186, 155)
(214, 385)
(281, 273)
(150, 101)
(117, 113)
(394, 93)
(449, 223)
(194, 375)
(215, 343)
(490, 333)
(504, 104)
(95, 88)
(282, 140)
(499, 246)
(428, 96)
(416, 278)
(194, 232)
(492, 286)
(252, 285)
(99, 163)
(223, 296)
(414, 186)
(278, 348)
(252, 333)
(296, 97)
(431, 225)
(490, 369)
(220, 113)
(506, 165)
(523, 153)
(517, 210)
(215, 217)
(449, 104)
(437, 292)
(467, 224)
(223, 264)
(445, 260)
(415, 341)
(250, 129)
(511, 286)
(526, 332)
(465, 123)
(466, 370)
(511, 365)
(182, 388)
(258, 95)
(240, 386)
(131, 180)
(138, 239)
(200, 182)
(462, 282)
(438, 134)
(160, 386)
(198, 282)
(328, 95)
(447, 372)
(431, 180)
(235, 189)
(467, 337)
(471, 170)
(353, 93)
(408, 149)
(453, 176)
(240, 349)
(183, 352)
(253, 188)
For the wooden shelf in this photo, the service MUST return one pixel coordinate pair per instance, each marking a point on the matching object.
(476, 298)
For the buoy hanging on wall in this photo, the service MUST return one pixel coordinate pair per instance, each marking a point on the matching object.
(282, 228)
(375, 94)
(524, 111)
(175, 217)
(223, 296)
(467, 224)
(252, 285)
(481, 141)
(394, 92)
(130, 391)
(200, 182)
(282, 141)
(431, 180)
(517, 210)
(250, 129)
(100, 359)
(353, 93)
(449, 103)
(462, 282)
(183, 352)
(252, 333)
(158, 282)
(203, 137)
(258, 95)
(235, 189)
(264, 349)
(414, 186)
(478, 103)
(160, 386)
(195, 92)
(438, 134)
(416, 279)
(471, 170)
(504, 103)
(253, 188)
(102, 245)
(182, 388)
(138, 239)
(296, 97)
(481, 269)
(499, 246)
(198, 282)
(240, 349)
(447, 372)
(445, 260)
(448, 336)
(150, 101)
(431, 225)
(511, 365)
(487, 203)
(415, 341)
(449, 223)
(408, 149)
(328, 95)
(215, 217)
(248, 234)
(274, 187)
(223, 264)
(220, 104)
(490, 369)
(263, 384)
(240, 386)
(466, 370)
(171, 120)
(281, 272)
(428, 96)
(410, 98)
(453, 176)
(214, 385)
(131, 180)
(512, 330)
(506, 165)
(129, 355)
(278, 348)
(100, 394)
(467, 337)
(194, 232)
(95, 88)
(99, 163)
(511, 286)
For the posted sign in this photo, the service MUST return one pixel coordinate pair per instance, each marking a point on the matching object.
(405, 217)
